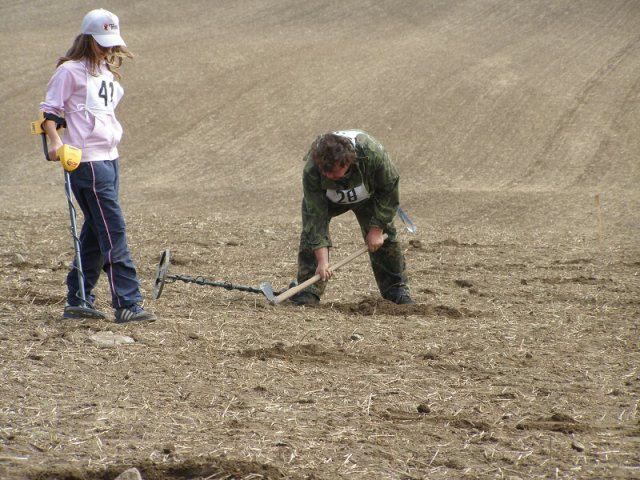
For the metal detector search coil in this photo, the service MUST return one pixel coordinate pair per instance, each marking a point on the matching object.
(161, 273)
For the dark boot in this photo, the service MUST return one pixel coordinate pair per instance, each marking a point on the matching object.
(399, 296)
(305, 298)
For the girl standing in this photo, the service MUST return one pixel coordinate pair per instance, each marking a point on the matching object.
(82, 96)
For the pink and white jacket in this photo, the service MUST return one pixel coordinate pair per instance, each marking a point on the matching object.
(87, 103)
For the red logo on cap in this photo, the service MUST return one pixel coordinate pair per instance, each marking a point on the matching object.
(109, 26)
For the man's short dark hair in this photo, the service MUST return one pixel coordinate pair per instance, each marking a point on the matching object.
(331, 151)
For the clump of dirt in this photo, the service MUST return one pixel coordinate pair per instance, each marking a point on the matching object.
(186, 470)
(281, 351)
(373, 306)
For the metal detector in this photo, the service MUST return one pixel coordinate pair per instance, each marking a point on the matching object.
(70, 159)
(163, 276)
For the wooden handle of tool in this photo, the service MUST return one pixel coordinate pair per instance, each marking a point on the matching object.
(292, 291)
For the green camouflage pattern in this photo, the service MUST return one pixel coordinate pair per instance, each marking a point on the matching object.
(376, 171)
(373, 168)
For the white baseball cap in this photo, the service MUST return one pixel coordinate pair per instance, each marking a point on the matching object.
(104, 26)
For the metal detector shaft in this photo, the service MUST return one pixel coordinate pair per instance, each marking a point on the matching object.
(76, 240)
(85, 309)
(73, 226)
(204, 281)
(45, 147)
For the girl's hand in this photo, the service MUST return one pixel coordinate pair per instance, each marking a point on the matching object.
(53, 150)
(49, 126)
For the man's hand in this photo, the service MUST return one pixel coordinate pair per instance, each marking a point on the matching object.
(374, 239)
(323, 269)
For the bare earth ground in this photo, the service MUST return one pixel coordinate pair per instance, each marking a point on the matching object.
(516, 128)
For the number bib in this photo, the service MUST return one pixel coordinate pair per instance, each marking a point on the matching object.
(350, 134)
(103, 94)
(349, 196)
(352, 195)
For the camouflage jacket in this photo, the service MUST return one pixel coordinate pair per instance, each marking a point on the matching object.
(372, 182)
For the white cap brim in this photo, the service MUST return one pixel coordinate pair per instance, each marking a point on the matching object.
(109, 40)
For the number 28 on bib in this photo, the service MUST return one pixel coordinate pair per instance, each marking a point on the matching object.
(348, 196)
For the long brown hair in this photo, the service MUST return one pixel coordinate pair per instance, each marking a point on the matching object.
(85, 47)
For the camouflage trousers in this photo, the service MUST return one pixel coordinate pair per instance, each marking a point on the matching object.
(388, 262)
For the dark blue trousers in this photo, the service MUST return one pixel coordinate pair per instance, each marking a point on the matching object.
(103, 238)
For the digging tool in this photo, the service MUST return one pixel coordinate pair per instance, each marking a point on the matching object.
(281, 297)
(276, 298)
(163, 276)
(70, 158)
(411, 227)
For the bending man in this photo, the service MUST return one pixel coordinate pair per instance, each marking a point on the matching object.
(350, 170)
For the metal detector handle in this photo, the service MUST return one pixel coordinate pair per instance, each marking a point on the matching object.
(45, 147)
(292, 291)
(76, 239)
(36, 129)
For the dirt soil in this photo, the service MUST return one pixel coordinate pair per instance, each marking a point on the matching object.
(516, 129)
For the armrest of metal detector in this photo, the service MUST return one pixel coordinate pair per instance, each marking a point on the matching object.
(36, 129)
